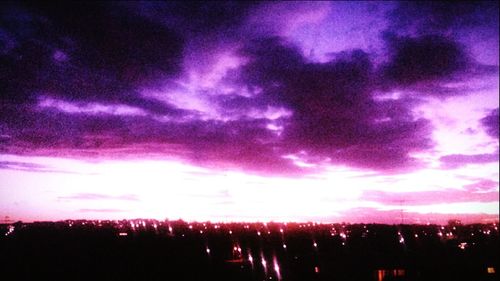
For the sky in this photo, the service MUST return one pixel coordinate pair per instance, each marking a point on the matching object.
(366, 112)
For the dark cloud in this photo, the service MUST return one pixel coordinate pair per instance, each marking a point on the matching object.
(105, 53)
(435, 44)
(473, 23)
(106, 37)
(336, 119)
(335, 114)
(424, 59)
(194, 17)
(491, 123)
(445, 17)
(240, 144)
(453, 161)
(432, 65)
(84, 51)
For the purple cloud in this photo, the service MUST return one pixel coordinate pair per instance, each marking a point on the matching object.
(78, 77)
(33, 167)
(453, 161)
(445, 17)
(482, 185)
(491, 123)
(21, 165)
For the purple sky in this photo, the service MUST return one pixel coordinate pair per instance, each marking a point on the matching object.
(286, 111)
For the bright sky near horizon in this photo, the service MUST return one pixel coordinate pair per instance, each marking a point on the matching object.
(255, 111)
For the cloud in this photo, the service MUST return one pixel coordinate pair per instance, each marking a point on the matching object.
(173, 79)
(33, 167)
(491, 123)
(328, 112)
(453, 161)
(282, 18)
(424, 59)
(435, 65)
(474, 23)
(96, 196)
(374, 215)
(101, 210)
(483, 185)
(21, 165)
(444, 17)
(194, 18)
(441, 49)
(429, 197)
(335, 114)
(90, 108)
(91, 52)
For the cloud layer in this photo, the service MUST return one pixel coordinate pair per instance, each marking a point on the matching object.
(219, 86)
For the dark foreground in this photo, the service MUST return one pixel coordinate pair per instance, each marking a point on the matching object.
(168, 250)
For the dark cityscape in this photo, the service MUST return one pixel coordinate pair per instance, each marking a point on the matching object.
(177, 250)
